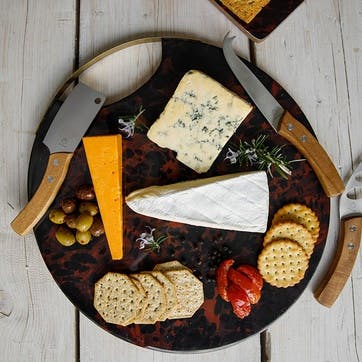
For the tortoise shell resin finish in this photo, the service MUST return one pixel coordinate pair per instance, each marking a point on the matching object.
(77, 268)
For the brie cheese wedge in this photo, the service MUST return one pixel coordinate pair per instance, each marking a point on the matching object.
(233, 202)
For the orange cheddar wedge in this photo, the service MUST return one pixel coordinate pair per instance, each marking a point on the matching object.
(104, 157)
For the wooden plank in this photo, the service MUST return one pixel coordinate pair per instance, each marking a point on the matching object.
(104, 24)
(316, 61)
(36, 320)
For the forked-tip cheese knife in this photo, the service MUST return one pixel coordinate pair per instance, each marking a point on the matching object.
(350, 209)
(284, 123)
(64, 134)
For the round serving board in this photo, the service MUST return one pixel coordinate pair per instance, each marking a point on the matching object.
(77, 268)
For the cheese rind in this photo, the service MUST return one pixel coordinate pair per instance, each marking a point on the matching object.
(104, 158)
(233, 202)
(198, 120)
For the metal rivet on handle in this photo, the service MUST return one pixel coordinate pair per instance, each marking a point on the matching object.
(352, 228)
(50, 179)
(56, 162)
(350, 246)
(290, 127)
(303, 138)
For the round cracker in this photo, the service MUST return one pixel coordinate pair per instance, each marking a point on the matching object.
(299, 214)
(116, 298)
(292, 231)
(282, 263)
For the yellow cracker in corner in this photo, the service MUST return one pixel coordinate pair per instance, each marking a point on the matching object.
(283, 263)
(246, 10)
(292, 231)
(299, 214)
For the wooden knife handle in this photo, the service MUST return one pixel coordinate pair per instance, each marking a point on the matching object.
(341, 268)
(53, 178)
(306, 143)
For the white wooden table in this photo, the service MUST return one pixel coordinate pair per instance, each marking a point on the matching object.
(316, 55)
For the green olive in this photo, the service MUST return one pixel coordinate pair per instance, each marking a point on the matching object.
(84, 222)
(57, 216)
(88, 207)
(85, 192)
(97, 228)
(71, 221)
(69, 205)
(83, 237)
(65, 236)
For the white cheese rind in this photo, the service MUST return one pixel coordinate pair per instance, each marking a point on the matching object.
(233, 202)
(198, 120)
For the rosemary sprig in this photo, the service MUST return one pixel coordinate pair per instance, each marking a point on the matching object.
(127, 124)
(150, 241)
(258, 153)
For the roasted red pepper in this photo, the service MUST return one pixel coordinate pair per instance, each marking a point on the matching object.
(222, 278)
(239, 301)
(253, 274)
(243, 282)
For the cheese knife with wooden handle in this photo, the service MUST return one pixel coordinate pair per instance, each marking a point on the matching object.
(64, 134)
(350, 209)
(284, 123)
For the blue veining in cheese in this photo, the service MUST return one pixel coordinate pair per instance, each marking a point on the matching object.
(198, 120)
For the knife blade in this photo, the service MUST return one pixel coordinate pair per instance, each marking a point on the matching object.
(350, 209)
(62, 138)
(284, 123)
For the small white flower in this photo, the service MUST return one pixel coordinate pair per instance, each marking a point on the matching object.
(232, 156)
(127, 127)
(251, 155)
(146, 238)
(127, 124)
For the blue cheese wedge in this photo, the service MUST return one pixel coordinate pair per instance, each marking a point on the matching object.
(198, 120)
(238, 201)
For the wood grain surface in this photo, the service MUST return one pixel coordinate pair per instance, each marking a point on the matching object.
(315, 54)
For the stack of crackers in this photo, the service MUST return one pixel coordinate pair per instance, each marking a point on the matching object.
(288, 245)
(170, 291)
(246, 10)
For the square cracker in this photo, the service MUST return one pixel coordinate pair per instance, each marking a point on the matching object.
(246, 10)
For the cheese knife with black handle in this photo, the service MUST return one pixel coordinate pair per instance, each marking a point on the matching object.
(284, 123)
